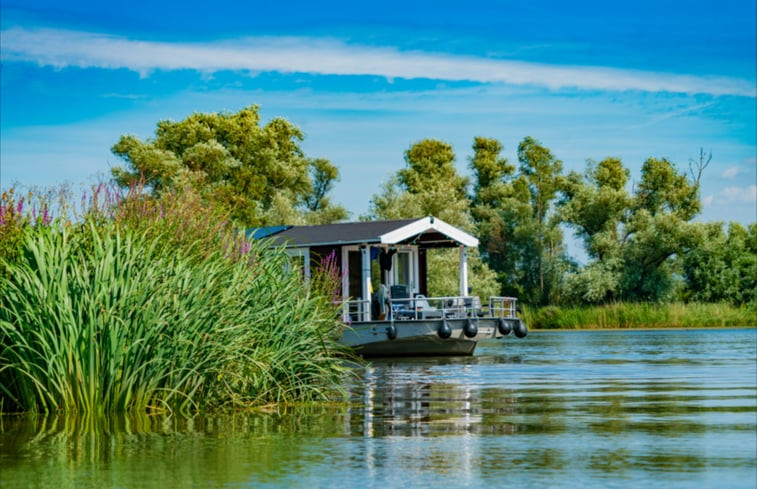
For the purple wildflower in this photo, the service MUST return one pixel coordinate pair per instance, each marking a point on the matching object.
(46, 217)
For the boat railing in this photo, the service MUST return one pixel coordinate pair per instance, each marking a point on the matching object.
(503, 306)
(450, 307)
(421, 307)
(356, 310)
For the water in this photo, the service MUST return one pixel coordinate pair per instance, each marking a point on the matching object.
(558, 409)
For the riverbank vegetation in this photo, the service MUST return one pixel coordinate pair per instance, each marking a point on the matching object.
(153, 304)
(640, 315)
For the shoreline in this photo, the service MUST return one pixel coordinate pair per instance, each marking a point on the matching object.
(640, 328)
(641, 315)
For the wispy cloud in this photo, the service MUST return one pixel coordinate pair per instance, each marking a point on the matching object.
(64, 48)
(740, 195)
(732, 172)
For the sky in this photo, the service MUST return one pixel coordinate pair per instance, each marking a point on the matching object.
(366, 80)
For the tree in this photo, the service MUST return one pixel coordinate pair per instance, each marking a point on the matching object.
(723, 266)
(632, 239)
(259, 173)
(520, 234)
(499, 206)
(430, 185)
(658, 230)
(543, 254)
(597, 205)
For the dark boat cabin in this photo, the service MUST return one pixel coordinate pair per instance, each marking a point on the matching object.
(389, 256)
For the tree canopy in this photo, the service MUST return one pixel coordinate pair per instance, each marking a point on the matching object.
(259, 173)
(429, 185)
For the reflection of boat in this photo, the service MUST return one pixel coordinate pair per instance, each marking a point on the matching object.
(384, 286)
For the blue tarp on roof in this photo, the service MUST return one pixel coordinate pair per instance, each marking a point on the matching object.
(260, 233)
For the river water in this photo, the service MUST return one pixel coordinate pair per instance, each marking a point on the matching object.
(626, 409)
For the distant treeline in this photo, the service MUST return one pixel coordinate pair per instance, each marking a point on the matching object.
(641, 241)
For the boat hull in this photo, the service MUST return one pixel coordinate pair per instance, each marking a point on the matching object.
(420, 337)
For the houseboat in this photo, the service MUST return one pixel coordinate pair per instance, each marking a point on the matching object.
(384, 290)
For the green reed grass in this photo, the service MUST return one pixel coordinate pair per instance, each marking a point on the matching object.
(640, 315)
(102, 317)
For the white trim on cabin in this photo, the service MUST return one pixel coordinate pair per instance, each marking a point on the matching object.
(425, 224)
(304, 253)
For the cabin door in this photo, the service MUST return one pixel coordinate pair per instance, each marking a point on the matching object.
(351, 280)
(405, 269)
(356, 281)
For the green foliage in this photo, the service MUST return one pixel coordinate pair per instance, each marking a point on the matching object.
(634, 239)
(490, 171)
(596, 204)
(723, 267)
(481, 279)
(394, 202)
(663, 190)
(13, 228)
(159, 308)
(519, 231)
(639, 315)
(430, 186)
(431, 163)
(258, 173)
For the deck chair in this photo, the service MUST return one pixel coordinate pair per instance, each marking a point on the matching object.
(473, 306)
(399, 292)
(424, 309)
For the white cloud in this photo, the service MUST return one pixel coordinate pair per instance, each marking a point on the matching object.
(732, 172)
(740, 195)
(63, 48)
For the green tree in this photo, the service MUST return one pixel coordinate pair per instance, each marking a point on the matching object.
(500, 207)
(430, 185)
(258, 173)
(633, 240)
(514, 212)
(658, 230)
(723, 267)
(597, 205)
(543, 255)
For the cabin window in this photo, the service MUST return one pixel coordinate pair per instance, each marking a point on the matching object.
(299, 260)
(355, 274)
(404, 270)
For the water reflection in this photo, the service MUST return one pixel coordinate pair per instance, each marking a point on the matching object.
(161, 451)
(609, 409)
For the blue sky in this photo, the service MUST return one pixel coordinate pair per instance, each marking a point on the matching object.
(366, 80)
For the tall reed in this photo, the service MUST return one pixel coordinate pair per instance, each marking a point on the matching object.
(107, 316)
(640, 315)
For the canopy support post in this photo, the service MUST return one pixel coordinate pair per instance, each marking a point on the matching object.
(463, 271)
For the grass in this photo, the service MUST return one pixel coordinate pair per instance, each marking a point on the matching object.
(640, 315)
(143, 310)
